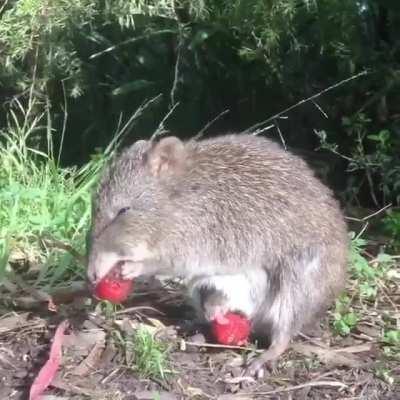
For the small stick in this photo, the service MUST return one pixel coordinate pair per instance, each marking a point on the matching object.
(261, 130)
(303, 101)
(364, 228)
(382, 287)
(160, 130)
(2, 8)
(370, 215)
(320, 109)
(302, 386)
(133, 309)
(176, 69)
(201, 132)
(222, 346)
(128, 41)
(280, 134)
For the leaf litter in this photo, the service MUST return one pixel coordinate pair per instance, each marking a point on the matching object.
(93, 365)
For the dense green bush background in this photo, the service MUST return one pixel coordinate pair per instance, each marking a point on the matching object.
(90, 64)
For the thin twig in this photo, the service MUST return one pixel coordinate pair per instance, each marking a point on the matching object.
(280, 134)
(222, 346)
(31, 90)
(371, 185)
(50, 141)
(319, 108)
(303, 101)
(366, 218)
(160, 129)
(267, 128)
(64, 127)
(332, 149)
(201, 132)
(176, 69)
(363, 229)
(382, 287)
(139, 111)
(133, 309)
(121, 114)
(3, 7)
(302, 386)
(129, 41)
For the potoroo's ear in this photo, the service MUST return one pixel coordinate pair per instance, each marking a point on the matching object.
(167, 157)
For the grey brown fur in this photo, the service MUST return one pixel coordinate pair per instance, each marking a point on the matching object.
(232, 205)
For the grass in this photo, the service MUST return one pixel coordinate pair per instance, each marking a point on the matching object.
(144, 353)
(37, 198)
(150, 354)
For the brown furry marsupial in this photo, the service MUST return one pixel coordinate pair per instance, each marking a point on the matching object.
(236, 213)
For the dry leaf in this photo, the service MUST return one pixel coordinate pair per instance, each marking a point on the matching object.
(48, 371)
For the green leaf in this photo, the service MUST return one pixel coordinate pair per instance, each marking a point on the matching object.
(392, 337)
(341, 327)
(351, 319)
(368, 291)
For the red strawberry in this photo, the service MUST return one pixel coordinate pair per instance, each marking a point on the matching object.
(231, 329)
(113, 289)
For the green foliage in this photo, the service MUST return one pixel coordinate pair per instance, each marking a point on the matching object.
(126, 11)
(367, 277)
(362, 270)
(391, 343)
(144, 353)
(43, 33)
(391, 225)
(37, 197)
(392, 337)
(375, 155)
(4, 250)
(369, 274)
(150, 354)
(345, 319)
(281, 33)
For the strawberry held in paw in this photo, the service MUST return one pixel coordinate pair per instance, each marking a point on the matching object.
(231, 329)
(113, 288)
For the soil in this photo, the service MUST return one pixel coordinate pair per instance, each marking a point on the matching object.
(322, 366)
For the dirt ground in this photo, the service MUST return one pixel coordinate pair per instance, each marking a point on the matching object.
(93, 367)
